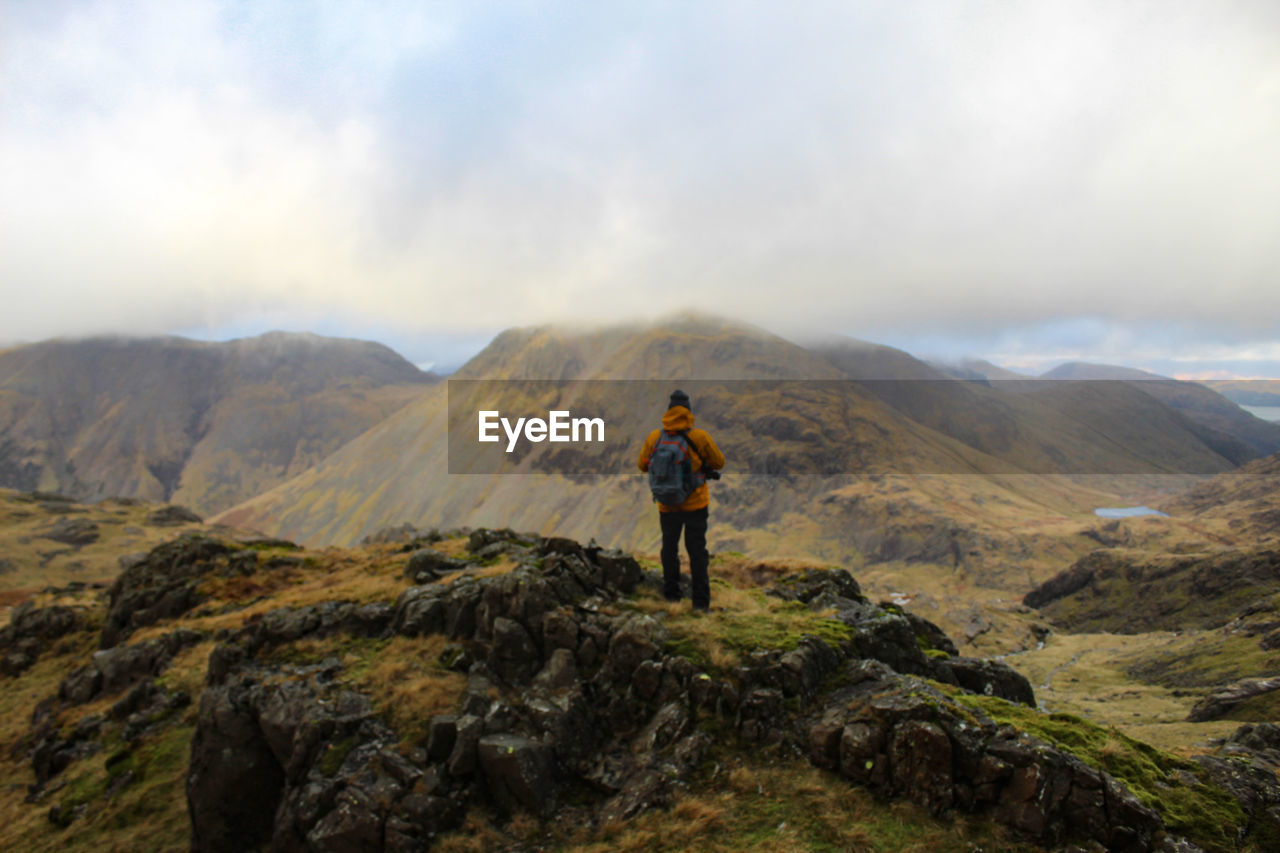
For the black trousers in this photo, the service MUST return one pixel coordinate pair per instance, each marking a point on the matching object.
(694, 524)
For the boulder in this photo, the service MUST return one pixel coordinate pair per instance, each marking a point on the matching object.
(428, 564)
(172, 515)
(76, 532)
(163, 585)
(521, 773)
(1220, 702)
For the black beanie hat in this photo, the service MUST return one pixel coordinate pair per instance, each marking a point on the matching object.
(679, 398)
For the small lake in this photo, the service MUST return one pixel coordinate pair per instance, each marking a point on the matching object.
(1267, 413)
(1127, 511)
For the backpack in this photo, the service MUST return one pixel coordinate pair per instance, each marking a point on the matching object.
(671, 475)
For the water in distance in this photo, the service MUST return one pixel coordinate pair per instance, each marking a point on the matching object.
(1127, 511)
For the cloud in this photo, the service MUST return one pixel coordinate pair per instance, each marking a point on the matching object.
(880, 169)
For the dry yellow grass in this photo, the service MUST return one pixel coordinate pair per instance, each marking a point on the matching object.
(409, 686)
(1085, 674)
(359, 575)
(763, 805)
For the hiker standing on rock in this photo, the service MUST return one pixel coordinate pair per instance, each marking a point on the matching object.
(680, 460)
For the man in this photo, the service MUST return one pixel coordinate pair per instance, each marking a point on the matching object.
(690, 514)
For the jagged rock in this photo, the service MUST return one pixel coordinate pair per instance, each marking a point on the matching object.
(29, 629)
(162, 586)
(76, 532)
(428, 564)
(638, 639)
(618, 569)
(467, 732)
(441, 736)
(990, 678)
(521, 773)
(896, 734)
(514, 655)
(1222, 701)
(172, 515)
(52, 755)
(293, 760)
(1245, 764)
(886, 636)
(112, 670)
(438, 609)
(1262, 739)
(568, 690)
(813, 585)
(928, 635)
(560, 673)
(288, 624)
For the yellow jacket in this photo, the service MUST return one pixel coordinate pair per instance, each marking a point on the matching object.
(705, 455)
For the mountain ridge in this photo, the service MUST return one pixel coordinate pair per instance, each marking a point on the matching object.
(201, 423)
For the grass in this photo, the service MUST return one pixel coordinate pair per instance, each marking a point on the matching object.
(361, 575)
(1206, 659)
(765, 804)
(402, 676)
(741, 621)
(1091, 675)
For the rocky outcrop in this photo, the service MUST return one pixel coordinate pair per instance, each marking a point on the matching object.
(568, 697)
(1220, 703)
(112, 670)
(1126, 591)
(29, 630)
(1245, 764)
(165, 583)
(898, 735)
(76, 532)
(291, 759)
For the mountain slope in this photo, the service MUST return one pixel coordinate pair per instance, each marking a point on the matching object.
(1228, 429)
(1093, 427)
(203, 424)
(817, 464)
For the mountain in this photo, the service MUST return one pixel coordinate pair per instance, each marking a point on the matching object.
(1224, 426)
(1247, 392)
(820, 464)
(1245, 502)
(203, 424)
(1084, 370)
(1037, 426)
(977, 369)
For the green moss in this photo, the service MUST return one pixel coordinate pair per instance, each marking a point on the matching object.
(787, 623)
(1204, 813)
(686, 648)
(335, 754)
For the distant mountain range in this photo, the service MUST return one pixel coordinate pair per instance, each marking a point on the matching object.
(327, 441)
(870, 413)
(203, 424)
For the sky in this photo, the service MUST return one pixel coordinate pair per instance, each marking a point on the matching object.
(1025, 182)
